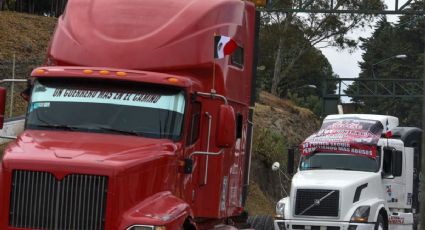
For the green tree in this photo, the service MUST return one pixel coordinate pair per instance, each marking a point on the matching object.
(318, 30)
(388, 40)
(309, 69)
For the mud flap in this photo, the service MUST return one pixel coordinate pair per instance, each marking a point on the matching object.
(400, 221)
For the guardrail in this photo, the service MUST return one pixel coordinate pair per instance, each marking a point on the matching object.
(12, 127)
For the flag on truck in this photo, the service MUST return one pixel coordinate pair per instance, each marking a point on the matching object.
(352, 136)
(223, 46)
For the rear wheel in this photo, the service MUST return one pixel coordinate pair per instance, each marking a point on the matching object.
(380, 223)
(415, 222)
(261, 222)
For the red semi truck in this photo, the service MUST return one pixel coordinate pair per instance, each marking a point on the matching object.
(133, 124)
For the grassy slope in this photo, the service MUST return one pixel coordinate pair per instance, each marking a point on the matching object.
(292, 123)
(27, 36)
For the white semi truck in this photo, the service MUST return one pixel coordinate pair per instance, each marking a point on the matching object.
(357, 172)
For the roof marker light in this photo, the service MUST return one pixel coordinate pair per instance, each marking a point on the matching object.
(88, 71)
(104, 72)
(121, 74)
(172, 80)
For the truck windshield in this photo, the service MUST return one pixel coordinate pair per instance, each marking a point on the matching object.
(106, 107)
(339, 161)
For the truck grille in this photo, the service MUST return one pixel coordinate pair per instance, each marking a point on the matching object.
(307, 202)
(39, 201)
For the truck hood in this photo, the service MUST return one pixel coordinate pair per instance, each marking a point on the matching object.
(335, 179)
(66, 151)
(368, 184)
(135, 168)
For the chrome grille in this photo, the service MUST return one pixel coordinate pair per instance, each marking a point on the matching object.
(317, 202)
(40, 201)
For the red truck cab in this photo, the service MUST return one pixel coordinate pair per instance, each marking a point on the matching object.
(133, 124)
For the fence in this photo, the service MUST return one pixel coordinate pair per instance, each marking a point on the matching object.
(19, 70)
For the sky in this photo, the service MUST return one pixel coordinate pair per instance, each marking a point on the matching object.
(346, 64)
(343, 63)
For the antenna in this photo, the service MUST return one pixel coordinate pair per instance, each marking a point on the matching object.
(386, 132)
(276, 167)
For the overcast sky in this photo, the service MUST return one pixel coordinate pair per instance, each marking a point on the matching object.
(346, 64)
(343, 63)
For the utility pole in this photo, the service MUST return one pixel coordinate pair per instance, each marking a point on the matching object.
(421, 176)
(12, 86)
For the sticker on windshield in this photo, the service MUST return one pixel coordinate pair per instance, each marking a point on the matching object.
(37, 105)
(43, 94)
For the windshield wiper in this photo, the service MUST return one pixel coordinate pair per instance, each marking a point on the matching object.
(313, 167)
(343, 168)
(58, 126)
(81, 127)
(112, 130)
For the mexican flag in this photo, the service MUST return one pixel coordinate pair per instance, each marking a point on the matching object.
(223, 46)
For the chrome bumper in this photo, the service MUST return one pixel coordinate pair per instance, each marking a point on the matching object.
(320, 225)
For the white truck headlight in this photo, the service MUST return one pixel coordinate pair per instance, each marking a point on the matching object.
(280, 210)
(361, 215)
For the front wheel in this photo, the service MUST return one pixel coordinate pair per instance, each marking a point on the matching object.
(261, 222)
(380, 223)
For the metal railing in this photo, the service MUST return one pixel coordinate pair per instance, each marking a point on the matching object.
(12, 72)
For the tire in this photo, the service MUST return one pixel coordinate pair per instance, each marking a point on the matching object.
(188, 226)
(416, 225)
(380, 223)
(261, 222)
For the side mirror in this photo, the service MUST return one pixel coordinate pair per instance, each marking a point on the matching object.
(275, 166)
(226, 127)
(26, 94)
(2, 105)
(397, 163)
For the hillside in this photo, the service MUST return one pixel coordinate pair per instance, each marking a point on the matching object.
(25, 35)
(278, 123)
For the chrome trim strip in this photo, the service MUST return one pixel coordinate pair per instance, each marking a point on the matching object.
(138, 225)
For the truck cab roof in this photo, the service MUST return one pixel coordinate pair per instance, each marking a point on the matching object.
(388, 122)
(144, 35)
(113, 74)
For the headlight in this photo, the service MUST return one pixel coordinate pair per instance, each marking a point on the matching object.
(361, 214)
(280, 210)
(146, 227)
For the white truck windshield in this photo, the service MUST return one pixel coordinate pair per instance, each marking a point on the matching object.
(339, 161)
(106, 107)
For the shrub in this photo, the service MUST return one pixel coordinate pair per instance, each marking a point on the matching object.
(269, 146)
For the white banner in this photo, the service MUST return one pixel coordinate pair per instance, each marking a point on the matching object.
(42, 96)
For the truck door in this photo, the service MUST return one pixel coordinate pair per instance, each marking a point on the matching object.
(394, 177)
(214, 144)
(193, 143)
(206, 186)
